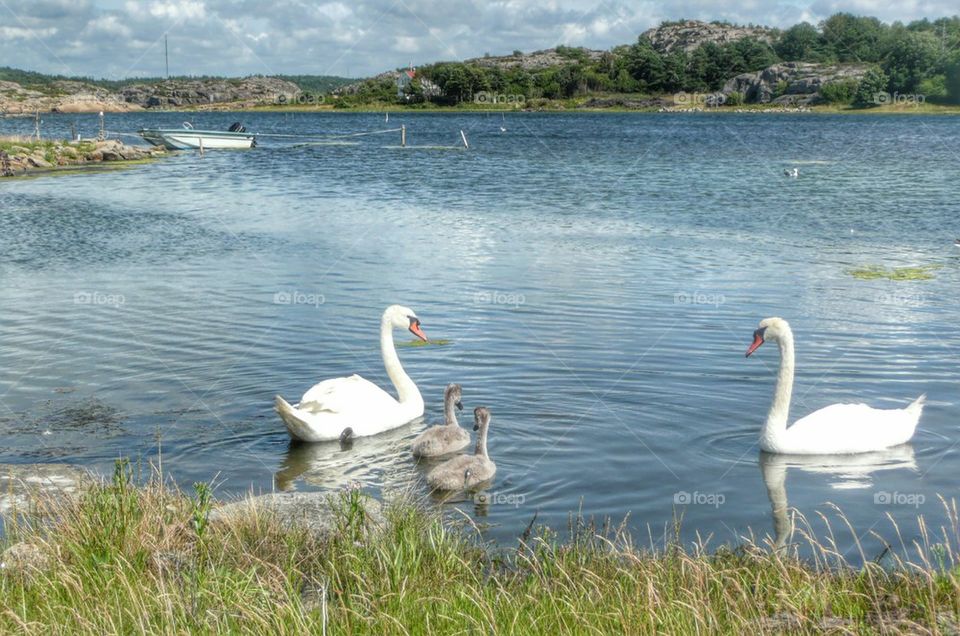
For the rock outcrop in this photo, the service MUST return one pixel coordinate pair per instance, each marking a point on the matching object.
(537, 60)
(209, 92)
(692, 34)
(791, 83)
(19, 156)
(68, 96)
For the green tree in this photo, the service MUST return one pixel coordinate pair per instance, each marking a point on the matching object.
(850, 38)
(839, 92)
(910, 57)
(801, 42)
(952, 80)
(645, 65)
(873, 84)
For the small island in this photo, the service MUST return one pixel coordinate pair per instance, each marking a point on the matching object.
(20, 155)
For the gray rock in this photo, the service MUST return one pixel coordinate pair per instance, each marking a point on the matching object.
(24, 558)
(37, 161)
(309, 510)
(798, 83)
(180, 93)
(24, 485)
(690, 35)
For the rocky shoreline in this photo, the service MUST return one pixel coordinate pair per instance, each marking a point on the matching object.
(19, 156)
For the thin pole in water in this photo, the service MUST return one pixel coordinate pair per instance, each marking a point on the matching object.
(464, 137)
(403, 136)
(36, 124)
(201, 146)
(103, 133)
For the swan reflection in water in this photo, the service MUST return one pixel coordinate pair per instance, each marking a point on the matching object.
(380, 461)
(850, 471)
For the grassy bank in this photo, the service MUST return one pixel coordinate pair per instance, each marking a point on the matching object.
(125, 559)
(605, 102)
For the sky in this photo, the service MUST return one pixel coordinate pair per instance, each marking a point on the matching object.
(125, 38)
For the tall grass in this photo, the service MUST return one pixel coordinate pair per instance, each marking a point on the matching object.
(126, 559)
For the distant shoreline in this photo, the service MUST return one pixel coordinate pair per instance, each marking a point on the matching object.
(922, 109)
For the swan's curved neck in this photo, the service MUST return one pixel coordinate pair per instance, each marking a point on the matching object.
(450, 412)
(481, 448)
(776, 424)
(407, 391)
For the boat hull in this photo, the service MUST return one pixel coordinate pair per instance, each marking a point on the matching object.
(186, 139)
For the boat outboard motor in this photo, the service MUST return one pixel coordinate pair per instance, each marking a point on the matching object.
(237, 127)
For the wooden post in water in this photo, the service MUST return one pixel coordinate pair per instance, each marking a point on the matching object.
(36, 124)
(403, 136)
(103, 133)
(464, 137)
(201, 146)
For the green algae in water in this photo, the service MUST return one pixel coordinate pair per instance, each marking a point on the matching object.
(875, 272)
(440, 342)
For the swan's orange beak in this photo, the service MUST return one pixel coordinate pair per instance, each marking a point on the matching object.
(417, 331)
(757, 341)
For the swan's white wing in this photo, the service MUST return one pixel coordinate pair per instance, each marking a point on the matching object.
(853, 428)
(343, 395)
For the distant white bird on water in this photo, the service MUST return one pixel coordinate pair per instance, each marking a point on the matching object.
(792, 172)
(956, 243)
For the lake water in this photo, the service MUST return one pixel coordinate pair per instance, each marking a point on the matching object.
(598, 276)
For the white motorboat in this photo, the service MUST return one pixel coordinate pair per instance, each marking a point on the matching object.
(188, 137)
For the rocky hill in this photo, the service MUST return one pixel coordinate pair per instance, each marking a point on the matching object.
(538, 59)
(691, 34)
(69, 96)
(184, 93)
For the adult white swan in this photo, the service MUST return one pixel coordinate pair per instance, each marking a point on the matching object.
(353, 407)
(836, 429)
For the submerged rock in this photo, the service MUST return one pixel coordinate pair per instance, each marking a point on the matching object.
(23, 486)
(309, 510)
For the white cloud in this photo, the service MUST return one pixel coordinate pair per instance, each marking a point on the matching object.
(406, 44)
(20, 33)
(182, 10)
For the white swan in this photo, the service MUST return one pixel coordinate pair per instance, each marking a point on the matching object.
(836, 429)
(466, 472)
(353, 407)
(448, 437)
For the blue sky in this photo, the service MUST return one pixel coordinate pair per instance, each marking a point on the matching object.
(123, 38)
